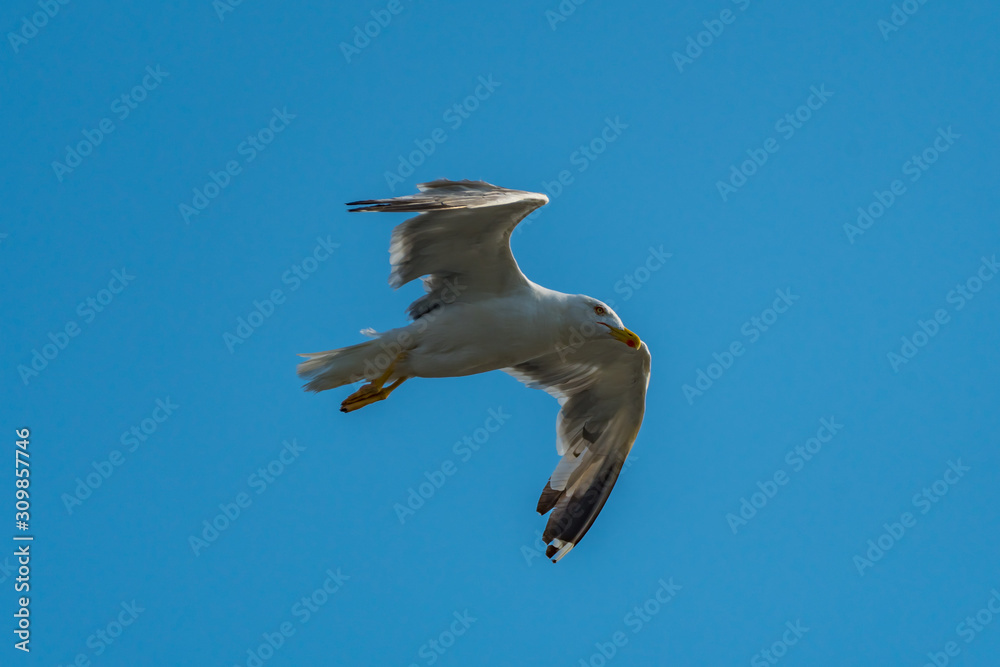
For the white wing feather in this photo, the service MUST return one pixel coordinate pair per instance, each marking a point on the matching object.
(601, 387)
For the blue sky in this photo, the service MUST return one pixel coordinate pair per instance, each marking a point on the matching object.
(793, 204)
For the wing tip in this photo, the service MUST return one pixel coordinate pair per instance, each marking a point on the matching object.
(548, 499)
(364, 205)
(558, 549)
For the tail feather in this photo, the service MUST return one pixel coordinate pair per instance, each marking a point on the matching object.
(335, 368)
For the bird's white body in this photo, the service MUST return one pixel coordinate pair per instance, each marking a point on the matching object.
(466, 338)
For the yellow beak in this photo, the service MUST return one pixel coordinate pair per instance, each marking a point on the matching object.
(624, 335)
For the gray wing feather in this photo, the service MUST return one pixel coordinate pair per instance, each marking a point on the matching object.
(460, 240)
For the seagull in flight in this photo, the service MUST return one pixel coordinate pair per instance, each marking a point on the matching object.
(479, 314)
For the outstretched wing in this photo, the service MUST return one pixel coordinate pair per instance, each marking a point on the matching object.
(460, 240)
(601, 386)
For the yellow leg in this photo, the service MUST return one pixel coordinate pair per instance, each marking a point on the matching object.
(372, 395)
(374, 391)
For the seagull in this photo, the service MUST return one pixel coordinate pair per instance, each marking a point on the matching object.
(479, 314)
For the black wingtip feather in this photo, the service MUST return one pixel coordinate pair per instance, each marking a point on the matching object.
(571, 521)
(548, 499)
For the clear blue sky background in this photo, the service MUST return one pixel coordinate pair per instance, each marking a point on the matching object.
(471, 548)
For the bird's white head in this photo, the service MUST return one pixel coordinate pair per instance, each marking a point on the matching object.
(596, 320)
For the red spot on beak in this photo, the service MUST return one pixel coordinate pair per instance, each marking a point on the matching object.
(631, 343)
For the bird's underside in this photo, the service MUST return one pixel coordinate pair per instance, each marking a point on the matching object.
(481, 313)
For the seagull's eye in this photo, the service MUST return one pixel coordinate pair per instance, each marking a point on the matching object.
(600, 310)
